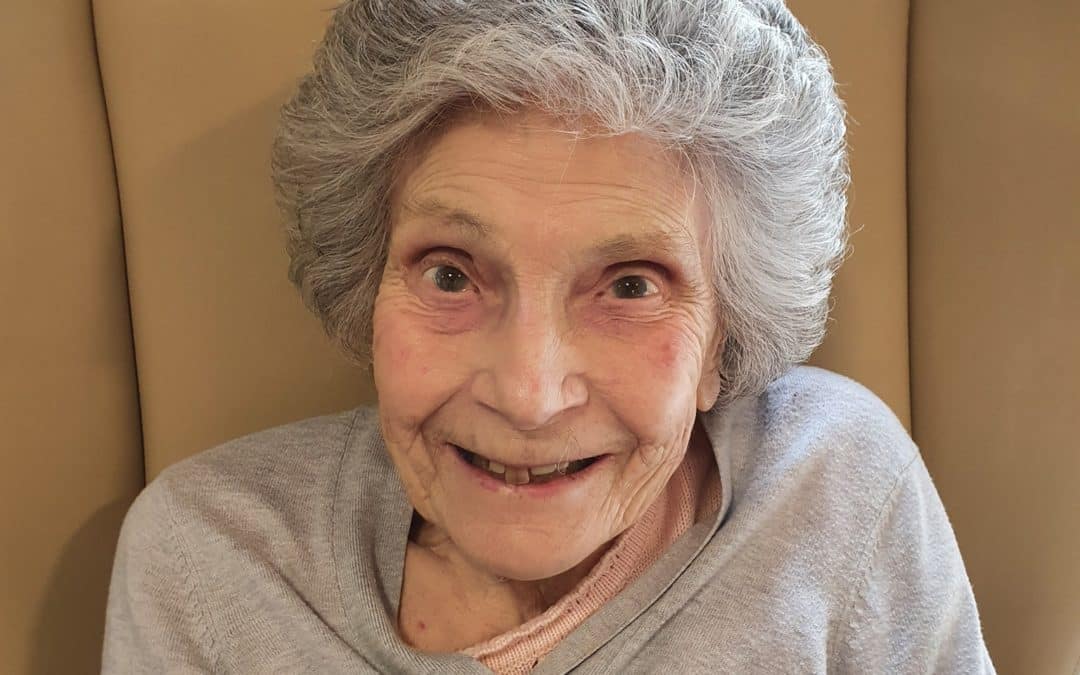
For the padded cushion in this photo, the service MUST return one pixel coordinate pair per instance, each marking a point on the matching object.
(868, 330)
(71, 459)
(995, 260)
(224, 344)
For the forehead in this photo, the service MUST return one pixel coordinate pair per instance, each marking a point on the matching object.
(528, 174)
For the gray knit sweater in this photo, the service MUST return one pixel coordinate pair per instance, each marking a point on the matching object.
(282, 552)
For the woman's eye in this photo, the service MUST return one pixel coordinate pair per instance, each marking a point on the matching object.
(633, 286)
(447, 278)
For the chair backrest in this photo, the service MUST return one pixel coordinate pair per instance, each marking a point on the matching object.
(147, 315)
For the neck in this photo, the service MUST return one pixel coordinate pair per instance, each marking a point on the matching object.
(441, 585)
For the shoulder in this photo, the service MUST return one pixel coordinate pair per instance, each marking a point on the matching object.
(222, 533)
(294, 446)
(815, 441)
(286, 470)
(807, 396)
(832, 497)
(816, 414)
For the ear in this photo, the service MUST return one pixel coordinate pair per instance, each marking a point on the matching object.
(709, 384)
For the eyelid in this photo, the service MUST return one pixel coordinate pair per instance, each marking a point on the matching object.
(452, 256)
(653, 267)
(428, 266)
(651, 271)
(448, 257)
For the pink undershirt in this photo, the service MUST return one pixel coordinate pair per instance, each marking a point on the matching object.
(691, 495)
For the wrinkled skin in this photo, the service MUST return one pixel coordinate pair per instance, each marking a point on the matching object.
(576, 321)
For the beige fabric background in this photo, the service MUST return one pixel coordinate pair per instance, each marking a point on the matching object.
(994, 135)
(69, 412)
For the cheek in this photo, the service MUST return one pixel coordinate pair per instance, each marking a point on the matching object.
(403, 360)
(667, 353)
(648, 373)
(415, 370)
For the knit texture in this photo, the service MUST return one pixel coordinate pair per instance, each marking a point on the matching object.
(830, 552)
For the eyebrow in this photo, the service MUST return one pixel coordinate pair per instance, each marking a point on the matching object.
(462, 218)
(643, 247)
(622, 247)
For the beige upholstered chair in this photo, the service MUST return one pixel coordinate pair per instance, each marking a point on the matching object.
(146, 314)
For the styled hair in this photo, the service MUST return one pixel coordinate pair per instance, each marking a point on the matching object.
(736, 87)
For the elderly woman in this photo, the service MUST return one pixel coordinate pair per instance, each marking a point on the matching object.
(584, 244)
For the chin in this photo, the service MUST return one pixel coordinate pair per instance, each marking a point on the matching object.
(521, 557)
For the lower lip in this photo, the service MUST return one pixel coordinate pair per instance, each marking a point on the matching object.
(548, 489)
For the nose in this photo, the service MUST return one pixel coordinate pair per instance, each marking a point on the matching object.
(530, 374)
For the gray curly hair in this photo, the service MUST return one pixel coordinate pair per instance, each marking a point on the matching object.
(736, 86)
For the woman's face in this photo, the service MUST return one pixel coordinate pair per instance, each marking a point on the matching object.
(543, 336)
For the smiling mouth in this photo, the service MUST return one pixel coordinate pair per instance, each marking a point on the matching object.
(522, 475)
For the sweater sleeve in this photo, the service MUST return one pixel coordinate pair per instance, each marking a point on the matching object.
(913, 609)
(155, 621)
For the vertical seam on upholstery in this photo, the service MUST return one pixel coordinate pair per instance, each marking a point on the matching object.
(123, 238)
(907, 213)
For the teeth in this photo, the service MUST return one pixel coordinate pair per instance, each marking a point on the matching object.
(522, 475)
(516, 476)
(544, 470)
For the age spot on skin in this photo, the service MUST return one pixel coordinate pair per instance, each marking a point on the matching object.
(665, 351)
(668, 353)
